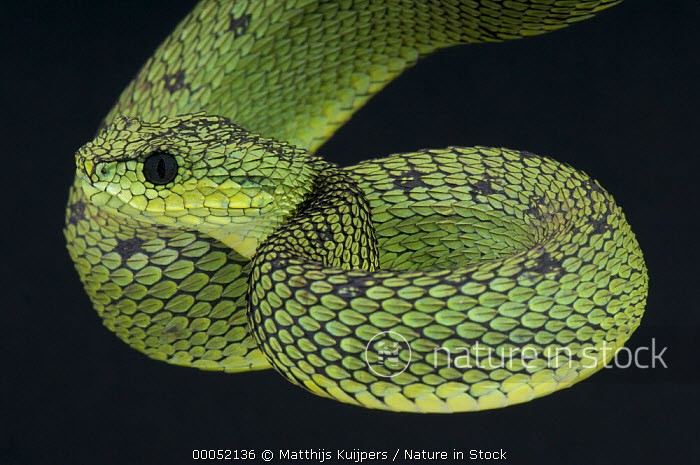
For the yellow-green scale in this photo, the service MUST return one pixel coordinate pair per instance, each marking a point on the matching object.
(316, 323)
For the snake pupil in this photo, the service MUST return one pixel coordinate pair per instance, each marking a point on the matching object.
(160, 168)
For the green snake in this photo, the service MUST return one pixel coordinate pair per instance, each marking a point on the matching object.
(207, 233)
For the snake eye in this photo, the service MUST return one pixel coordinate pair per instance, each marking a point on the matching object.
(160, 168)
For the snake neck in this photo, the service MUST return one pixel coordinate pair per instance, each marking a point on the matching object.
(331, 227)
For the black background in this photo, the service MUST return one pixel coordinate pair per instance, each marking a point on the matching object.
(615, 96)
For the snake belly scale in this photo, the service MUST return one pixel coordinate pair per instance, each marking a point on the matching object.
(208, 234)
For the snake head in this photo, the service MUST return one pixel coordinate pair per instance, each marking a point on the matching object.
(195, 172)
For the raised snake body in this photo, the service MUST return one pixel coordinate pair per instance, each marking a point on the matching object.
(444, 280)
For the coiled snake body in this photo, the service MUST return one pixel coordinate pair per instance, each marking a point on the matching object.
(443, 280)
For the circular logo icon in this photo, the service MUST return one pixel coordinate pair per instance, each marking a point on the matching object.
(382, 354)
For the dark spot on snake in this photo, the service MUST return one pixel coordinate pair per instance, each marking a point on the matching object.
(409, 179)
(174, 82)
(77, 212)
(482, 187)
(239, 25)
(544, 264)
(600, 226)
(535, 209)
(348, 291)
(128, 247)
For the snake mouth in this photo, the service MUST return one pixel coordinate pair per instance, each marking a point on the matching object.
(84, 167)
(82, 176)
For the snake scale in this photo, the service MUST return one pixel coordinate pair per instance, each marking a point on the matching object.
(207, 233)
